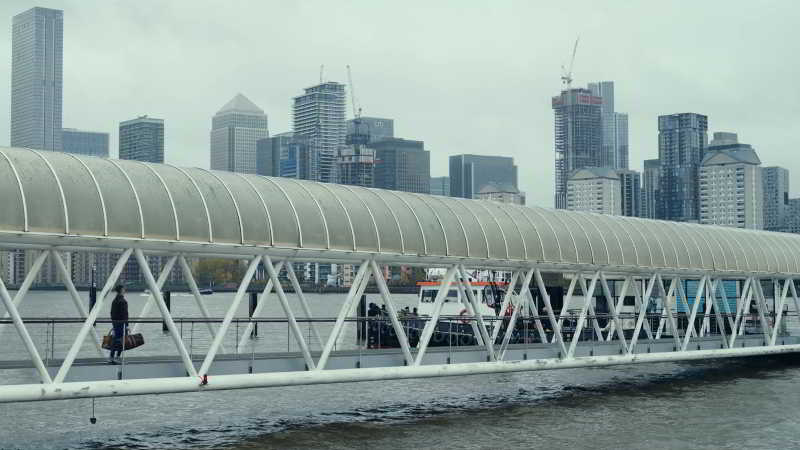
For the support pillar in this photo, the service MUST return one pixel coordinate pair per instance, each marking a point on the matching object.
(167, 301)
(252, 308)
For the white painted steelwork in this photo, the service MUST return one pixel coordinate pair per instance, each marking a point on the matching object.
(137, 209)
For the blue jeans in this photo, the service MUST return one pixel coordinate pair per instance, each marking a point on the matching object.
(116, 342)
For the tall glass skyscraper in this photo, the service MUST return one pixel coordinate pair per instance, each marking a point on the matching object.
(578, 137)
(319, 115)
(142, 139)
(682, 139)
(36, 78)
(615, 127)
(235, 131)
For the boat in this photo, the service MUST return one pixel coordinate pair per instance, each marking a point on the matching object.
(206, 291)
(455, 326)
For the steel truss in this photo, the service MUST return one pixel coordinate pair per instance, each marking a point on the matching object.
(662, 289)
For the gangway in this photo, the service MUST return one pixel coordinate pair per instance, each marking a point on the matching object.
(57, 203)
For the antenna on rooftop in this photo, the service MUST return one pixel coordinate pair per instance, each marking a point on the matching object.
(321, 71)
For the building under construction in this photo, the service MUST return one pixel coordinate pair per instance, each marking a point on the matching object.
(356, 165)
(578, 136)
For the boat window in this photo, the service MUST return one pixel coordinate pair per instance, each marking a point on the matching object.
(630, 301)
(428, 296)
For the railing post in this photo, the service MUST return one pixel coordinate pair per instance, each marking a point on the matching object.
(168, 302)
(253, 304)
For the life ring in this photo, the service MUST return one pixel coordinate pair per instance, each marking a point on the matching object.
(461, 314)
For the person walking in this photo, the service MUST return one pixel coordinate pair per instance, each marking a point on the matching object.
(119, 319)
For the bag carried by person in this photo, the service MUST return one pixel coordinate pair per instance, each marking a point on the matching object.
(131, 340)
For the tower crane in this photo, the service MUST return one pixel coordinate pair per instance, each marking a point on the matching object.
(356, 109)
(566, 74)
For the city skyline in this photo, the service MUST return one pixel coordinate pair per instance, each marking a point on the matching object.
(506, 112)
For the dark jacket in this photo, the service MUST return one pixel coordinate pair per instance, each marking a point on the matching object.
(119, 309)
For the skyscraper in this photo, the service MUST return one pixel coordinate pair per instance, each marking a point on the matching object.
(578, 137)
(356, 165)
(319, 115)
(470, 173)
(651, 194)
(776, 196)
(37, 78)
(731, 190)
(682, 138)
(375, 128)
(235, 130)
(440, 186)
(615, 127)
(404, 165)
(142, 139)
(79, 142)
(630, 184)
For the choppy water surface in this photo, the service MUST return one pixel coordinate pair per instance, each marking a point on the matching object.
(743, 403)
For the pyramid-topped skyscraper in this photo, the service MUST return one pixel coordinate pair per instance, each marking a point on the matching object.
(235, 129)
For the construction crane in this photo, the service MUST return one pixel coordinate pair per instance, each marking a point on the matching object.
(356, 110)
(566, 74)
(321, 70)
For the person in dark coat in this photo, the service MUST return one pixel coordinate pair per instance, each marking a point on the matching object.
(119, 319)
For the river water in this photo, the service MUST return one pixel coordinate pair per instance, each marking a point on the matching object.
(741, 403)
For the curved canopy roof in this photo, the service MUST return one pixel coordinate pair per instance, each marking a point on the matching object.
(49, 193)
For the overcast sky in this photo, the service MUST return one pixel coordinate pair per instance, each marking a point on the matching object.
(464, 76)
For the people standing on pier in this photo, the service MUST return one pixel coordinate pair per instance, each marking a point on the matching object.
(119, 319)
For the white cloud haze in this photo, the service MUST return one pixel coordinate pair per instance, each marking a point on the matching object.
(464, 76)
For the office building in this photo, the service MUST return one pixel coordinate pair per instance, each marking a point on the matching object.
(594, 189)
(319, 116)
(776, 196)
(470, 173)
(37, 41)
(235, 130)
(651, 194)
(286, 155)
(440, 186)
(80, 142)
(404, 165)
(791, 219)
(731, 190)
(502, 193)
(356, 166)
(614, 125)
(374, 128)
(682, 139)
(578, 137)
(142, 139)
(630, 184)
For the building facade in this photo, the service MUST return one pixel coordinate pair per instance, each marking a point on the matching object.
(594, 189)
(79, 142)
(614, 125)
(578, 137)
(682, 139)
(356, 165)
(502, 193)
(37, 47)
(470, 173)
(403, 165)
(731, 190)
(375, 128)
(630, 184)
(440, 186)
(142, 139)
(776, 196)
(319, 116)
(651, 194)
(235, 131)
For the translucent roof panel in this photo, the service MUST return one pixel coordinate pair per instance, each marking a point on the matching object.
(45, 194)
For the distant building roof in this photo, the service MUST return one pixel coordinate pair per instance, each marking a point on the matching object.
(492, 187)
(240, 103)
(587, 173)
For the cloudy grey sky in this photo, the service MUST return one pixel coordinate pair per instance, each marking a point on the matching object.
(464, 76)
